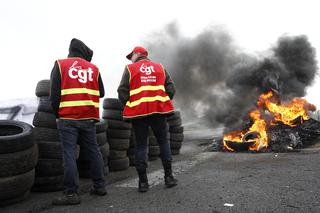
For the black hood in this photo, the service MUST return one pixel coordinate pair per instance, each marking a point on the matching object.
(78, 49)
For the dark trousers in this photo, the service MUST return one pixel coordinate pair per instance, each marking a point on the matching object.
(158, 124)
(72, 132)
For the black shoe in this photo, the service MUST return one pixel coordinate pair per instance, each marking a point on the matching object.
(170, 181)
(67, 199)
(143, 186)
(99, 191)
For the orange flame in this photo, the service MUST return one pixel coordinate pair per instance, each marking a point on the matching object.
(287, 113)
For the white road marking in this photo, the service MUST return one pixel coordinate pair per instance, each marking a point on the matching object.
(156, 177)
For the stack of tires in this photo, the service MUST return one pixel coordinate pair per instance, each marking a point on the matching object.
(49, 170)
(18, 158)
(175, 132)
(153, 146)
(83, 161)
(118, 134)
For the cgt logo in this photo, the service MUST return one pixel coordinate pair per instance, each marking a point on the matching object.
(83, 75)
(147, 70)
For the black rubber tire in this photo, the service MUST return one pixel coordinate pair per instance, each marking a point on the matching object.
(176, 137)
(153, 157)
(154, 150)
(101, 126)
(18, 162)
(45, 134)
(117, 154)
(44, 119)
(176, 122)
(119, 133)
(14, 200)
(101, 138)
(15, 186)
(112, 103)
(43, 88)
(118, 143)
(175, 145)
(45, 105)
(174, 116)
(153, 141)
(49, 168)
(50, 149)
(15, 136)
(176, 129)
(116, 124)
(48, 184)
(132, 141)
(175, 151)
(112, 114)
(119, 165)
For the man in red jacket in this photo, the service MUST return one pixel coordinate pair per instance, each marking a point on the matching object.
(75, 89)
(146, 90)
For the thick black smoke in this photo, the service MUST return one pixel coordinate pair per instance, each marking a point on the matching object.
(218, 83)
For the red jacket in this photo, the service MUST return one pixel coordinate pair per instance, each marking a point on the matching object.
(147, 92)
(79, 89)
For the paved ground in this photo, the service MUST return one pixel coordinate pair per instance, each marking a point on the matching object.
(208, 182)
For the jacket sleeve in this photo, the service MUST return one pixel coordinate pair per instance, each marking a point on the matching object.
(101, 87)
(55, 89)
(169, 86)
(124, 87)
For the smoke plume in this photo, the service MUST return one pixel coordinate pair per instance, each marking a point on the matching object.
(217, 82)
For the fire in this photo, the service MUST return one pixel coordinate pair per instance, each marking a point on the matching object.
(286, 113)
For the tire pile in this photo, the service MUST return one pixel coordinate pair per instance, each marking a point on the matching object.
(83, 161)
(18, 158)
(175, 132)
(49, 170)
(118, 134)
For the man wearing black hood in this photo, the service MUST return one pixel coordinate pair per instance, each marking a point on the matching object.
(75, 89)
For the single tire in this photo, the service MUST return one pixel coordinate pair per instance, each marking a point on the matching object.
(154, 150)
(85, 173)
(119, 165)
(50, 149)
(117, 154)
(119, 133)
(49, 168)
(116, 124)
(43, 88)
(153, 141)
(175, 145)
(101, 126)
(48, 184)
(176, 122)
(14, 200)
(15, 136)
(175, 151)
(45, 134)
(45, 119)
(174, 116)
(18, 162)
(176, 129)
(101, 138)
(176, 137)
(118, 144)
(15, 186)
(112, 114)
(153, 157)
(45, 105)
(112, 103)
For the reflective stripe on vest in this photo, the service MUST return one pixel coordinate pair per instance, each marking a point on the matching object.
(148, 99)
(80, 90)
(79, 103)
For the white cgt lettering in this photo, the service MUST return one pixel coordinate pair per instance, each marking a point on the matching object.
(83, 75)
